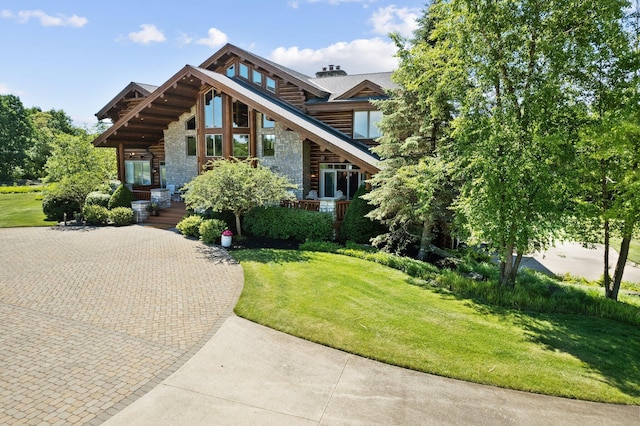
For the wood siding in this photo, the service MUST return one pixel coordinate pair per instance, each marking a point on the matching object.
(291, 94)
(339, 120)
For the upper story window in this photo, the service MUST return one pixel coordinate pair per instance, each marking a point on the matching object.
(190, 124)
(240, 114)
(243, 71)
(267, 123)
(270, 85)
(212, 109)
(256, 77)
(365, 124)
(231, 71)
(191, 146)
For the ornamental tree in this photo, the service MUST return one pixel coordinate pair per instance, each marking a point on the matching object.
(238, 186)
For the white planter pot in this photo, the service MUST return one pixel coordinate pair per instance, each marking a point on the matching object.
(226, 240)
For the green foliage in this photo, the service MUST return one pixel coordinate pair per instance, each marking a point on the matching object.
(15, 136)
(95, 215)
(284, 223)
(21, 189)
(190, 226)
(211, 229)
(121, 197)
(68, 195)
(121, 216)
(356, 226)
(237, 186)
(98, 198)
(72, 154)
(56, 205)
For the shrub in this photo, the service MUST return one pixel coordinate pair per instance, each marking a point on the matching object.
(121, 197)
(56, 203)
(95, 215)
(98, 198)
(211, 229)
(190, 226)
(283, 223)
(356, 227)
(121, 216)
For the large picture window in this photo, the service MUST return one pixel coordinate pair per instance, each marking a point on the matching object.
(137, 172)
(240, 146)
(345, 178)
(214, 145)
(365, 124)
(212, 109)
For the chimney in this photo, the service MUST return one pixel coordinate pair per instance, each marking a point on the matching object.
(333, 71)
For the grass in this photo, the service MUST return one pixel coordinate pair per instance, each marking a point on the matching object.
(22, 209)
(634, 249)
(326, 298)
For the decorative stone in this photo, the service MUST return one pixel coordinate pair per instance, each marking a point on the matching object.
(139, 208)
(161, 196)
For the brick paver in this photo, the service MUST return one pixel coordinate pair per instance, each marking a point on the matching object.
(93, 318)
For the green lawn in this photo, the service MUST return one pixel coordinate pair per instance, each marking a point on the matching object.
(373, 311)
(634, 249)
(23, 209)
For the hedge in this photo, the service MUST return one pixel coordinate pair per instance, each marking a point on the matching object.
(284, 223)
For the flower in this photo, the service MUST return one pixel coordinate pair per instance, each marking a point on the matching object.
(227, 233)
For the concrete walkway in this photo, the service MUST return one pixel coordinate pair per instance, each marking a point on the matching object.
(133, 326)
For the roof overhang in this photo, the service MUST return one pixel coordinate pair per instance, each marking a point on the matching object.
(143, 126)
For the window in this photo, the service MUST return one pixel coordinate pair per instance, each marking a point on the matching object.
(191, 145)
(267, 123)
(214, 145)
(212, 109)
(339, 177)
(256, 77)
(271, 85)
(243, 71)
(240, 146)
(240, 114)
(231, 71)
(190, 124)
(268, 145)
(365, 124)
(137, 172)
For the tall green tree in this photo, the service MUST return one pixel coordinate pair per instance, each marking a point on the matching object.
(237, 186)
(15, 135)
(413, 190)
(508, 66)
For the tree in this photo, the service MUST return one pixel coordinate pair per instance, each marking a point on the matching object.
(15, 135)
(237, 186)
(73, 154)
(413, 190)
(508, 64)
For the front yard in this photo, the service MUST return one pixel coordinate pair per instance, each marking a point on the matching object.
(371, 310)
(22, 209)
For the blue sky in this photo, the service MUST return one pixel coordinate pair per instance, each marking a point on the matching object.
(77, 55)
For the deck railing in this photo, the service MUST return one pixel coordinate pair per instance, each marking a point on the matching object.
(314, 205)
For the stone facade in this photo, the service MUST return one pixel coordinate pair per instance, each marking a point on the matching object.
(289, 158)
(181, 168)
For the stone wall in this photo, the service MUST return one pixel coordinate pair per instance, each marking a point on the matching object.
(181, 168)
(289, 157)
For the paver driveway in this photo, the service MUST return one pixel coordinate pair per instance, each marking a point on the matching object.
(91, 319)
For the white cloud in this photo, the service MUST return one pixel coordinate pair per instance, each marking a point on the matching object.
(6, 90)
(148, 34)
(355, 57)
(184, 39)
(215, 38)
(392, 19)
(59, 20)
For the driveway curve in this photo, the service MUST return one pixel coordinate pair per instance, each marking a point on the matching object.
(93, 318)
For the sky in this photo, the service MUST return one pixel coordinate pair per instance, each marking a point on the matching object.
(76, 55)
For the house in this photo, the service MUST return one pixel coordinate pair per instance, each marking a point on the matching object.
(316, 131)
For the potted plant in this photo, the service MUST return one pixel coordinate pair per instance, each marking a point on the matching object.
(225, 239)
(153, 208)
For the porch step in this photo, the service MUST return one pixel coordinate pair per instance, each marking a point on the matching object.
(167, 218)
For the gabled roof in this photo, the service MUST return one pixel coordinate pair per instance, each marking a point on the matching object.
(221, 57)
(143, 125)
(132, 90)
(345, 87)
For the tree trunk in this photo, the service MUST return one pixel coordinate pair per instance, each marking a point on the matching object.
(607, 277)
(508, 268)
(622, 260)
(238, 228)
(425, 240)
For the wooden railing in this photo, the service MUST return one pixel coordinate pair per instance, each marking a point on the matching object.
(314, 205)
